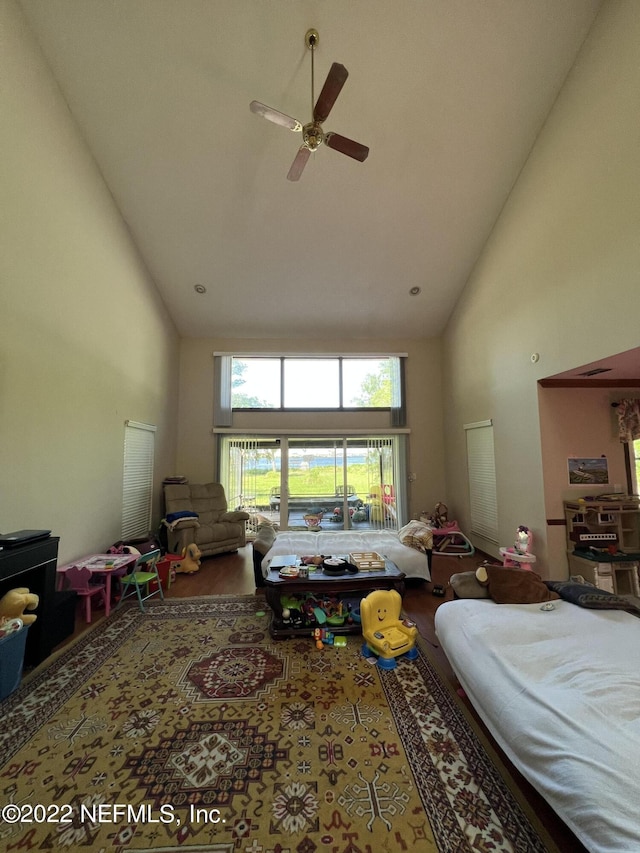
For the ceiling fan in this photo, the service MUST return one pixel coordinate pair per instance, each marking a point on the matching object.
(313, 135)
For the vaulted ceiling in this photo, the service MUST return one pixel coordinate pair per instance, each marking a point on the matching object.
(449, 95)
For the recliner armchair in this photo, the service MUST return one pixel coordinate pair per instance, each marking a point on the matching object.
(214, 531)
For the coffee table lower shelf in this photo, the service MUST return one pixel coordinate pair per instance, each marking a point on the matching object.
(348, 586)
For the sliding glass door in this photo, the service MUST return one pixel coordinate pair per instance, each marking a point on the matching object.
(316, 483)
(250, 469)
(328, 485)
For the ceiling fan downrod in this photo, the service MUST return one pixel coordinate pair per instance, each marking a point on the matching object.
(311, 40)
(312, 133)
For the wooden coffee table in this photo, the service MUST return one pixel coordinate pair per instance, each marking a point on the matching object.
(319, 584)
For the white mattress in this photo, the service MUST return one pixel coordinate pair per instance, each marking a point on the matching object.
(409, 560)
(560, 692)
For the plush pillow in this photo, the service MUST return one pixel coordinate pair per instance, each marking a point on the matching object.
(586, 595)
(466, 585)
(265, 538)
(183, 513)
(418, 535)
(517, 586)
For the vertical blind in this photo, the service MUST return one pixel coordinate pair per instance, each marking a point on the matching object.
(239, 471)
(137, 482)
(483, 503)
(386, 476)
(242, 459)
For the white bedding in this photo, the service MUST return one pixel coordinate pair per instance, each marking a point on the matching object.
(560, 692)
(412, 562)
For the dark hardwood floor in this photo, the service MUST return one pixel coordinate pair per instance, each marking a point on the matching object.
(232, 574)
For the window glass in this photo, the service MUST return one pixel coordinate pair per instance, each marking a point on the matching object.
(366, 382)
(311, 383)
(255, 383)
(307, 383)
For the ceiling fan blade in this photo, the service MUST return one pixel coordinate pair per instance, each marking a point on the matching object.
(299, 163)
(330, 91)
(347, 146)
(275, 116)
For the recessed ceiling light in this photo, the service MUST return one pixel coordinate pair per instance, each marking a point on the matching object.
(199, 288)
(415, 291)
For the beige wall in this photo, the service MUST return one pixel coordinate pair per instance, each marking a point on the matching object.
(196, 446)
(85, 342)
(559, 276)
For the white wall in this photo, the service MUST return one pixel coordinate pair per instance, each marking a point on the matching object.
(196, 446)
(85, 341)
(559, 276)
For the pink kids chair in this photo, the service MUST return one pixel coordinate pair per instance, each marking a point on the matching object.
(79, 580)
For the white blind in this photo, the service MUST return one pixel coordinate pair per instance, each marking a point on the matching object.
(137, 484)
(481, 466)
(386, 488)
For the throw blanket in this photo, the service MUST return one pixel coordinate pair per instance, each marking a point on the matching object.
(173, 519)
(418, 535)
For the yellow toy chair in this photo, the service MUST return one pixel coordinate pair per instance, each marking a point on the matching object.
(385, 633)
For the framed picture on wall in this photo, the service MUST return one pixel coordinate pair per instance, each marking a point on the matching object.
(586, 471)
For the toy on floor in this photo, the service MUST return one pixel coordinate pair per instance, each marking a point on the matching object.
(524, 540)
(313, 520)
(15, 602)
(519, 556)
(440, 515)
(10, 626)
(447, 536)
(386, 634)
(324, 638)
(190, 561)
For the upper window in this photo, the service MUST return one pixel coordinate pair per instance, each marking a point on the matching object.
(303, 383)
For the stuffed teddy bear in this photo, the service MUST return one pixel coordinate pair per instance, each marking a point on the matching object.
(15, 602)
(190, 561)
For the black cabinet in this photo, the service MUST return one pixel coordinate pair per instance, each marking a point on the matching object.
(34, 566)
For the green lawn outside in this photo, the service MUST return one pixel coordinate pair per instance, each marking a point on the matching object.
(312, 481)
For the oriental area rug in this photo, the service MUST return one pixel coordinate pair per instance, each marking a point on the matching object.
(188, 728)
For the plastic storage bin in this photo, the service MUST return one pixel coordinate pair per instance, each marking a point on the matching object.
(166, 571)
(11, 661)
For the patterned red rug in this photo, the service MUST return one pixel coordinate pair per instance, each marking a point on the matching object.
(188, 728)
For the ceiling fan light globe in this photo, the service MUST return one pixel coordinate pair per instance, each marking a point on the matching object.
(313, 136)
